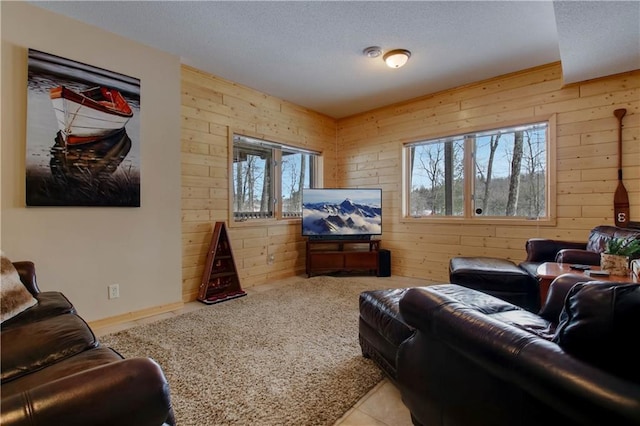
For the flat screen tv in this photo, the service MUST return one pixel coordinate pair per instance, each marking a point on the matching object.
(341, 213)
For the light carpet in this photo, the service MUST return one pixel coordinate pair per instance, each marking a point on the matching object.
(285, 356)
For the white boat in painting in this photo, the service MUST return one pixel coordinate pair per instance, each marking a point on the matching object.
(89, 115)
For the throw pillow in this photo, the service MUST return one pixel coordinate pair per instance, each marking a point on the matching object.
(599, 324)
(14, 296)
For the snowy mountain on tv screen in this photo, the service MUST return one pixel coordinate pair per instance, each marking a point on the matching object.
(346, 218)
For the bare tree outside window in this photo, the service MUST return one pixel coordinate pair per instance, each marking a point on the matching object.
(508, 177)
(295, 177)
(511, 173)
(257, 166)
(514, 178)
(483, 177)
(431, 195)
(252, 182)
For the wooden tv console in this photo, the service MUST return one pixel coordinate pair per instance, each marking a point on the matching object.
(324, 256)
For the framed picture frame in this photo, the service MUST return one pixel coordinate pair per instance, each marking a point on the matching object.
(83, 134)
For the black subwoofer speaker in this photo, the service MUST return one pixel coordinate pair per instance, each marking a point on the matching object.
(384, 263)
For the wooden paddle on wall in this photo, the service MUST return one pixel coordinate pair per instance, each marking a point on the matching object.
(620, 198)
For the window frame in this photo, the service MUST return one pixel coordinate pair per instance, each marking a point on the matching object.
(277, 148)
(469, 217)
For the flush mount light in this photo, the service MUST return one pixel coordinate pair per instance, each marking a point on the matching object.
(372, 52)
(396, 58)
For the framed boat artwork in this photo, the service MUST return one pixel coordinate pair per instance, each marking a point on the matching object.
(83, 134)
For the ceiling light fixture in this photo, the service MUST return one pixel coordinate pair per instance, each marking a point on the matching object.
(396, 58)
(372, 52)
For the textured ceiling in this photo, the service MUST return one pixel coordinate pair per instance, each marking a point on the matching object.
(310, 52)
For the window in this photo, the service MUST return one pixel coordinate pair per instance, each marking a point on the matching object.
(268, 178)
(501, 173)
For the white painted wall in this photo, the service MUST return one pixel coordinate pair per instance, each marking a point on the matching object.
(77, 250)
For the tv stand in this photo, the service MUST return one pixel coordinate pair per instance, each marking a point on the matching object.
(342, 255)
(334, 238)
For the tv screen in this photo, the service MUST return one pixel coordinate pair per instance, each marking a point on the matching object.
(341, 213)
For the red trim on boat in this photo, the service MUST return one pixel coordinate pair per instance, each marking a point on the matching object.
(103, 99)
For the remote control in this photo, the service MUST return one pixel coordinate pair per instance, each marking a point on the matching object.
(597, 273)
(580, 267)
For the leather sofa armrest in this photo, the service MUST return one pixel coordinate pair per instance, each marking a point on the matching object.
(557, 294)
(27, 271)
(545, 250)
(583, 257)
(130, 392)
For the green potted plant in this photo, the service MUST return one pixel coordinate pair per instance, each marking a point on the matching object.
(618, 251)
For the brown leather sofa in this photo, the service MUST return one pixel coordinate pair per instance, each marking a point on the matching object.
(56, 372)
(474, 359)
(541, 250)
(518, 284)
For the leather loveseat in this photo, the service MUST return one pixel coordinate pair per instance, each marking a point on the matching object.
(477, 360)
(55, 372)
(541, 250)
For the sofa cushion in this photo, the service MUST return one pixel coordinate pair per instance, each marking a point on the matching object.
(50, 304)
(498, 277)
(599, 322)
(477, 300)
(36, 345)
(495, 308)
(487, 273)
(14, 297)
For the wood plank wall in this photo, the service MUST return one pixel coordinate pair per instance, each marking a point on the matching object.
(370, 147)
(365, 151)
(212, 108)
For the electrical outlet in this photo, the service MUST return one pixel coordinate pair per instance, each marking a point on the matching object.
(271, 259)
(114, 291)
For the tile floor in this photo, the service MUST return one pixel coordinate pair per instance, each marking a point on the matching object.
(382, 406)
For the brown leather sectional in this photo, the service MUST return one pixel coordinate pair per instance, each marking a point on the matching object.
(462, 357)
(56, 372)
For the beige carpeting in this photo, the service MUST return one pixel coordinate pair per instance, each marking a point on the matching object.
(286, 356)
